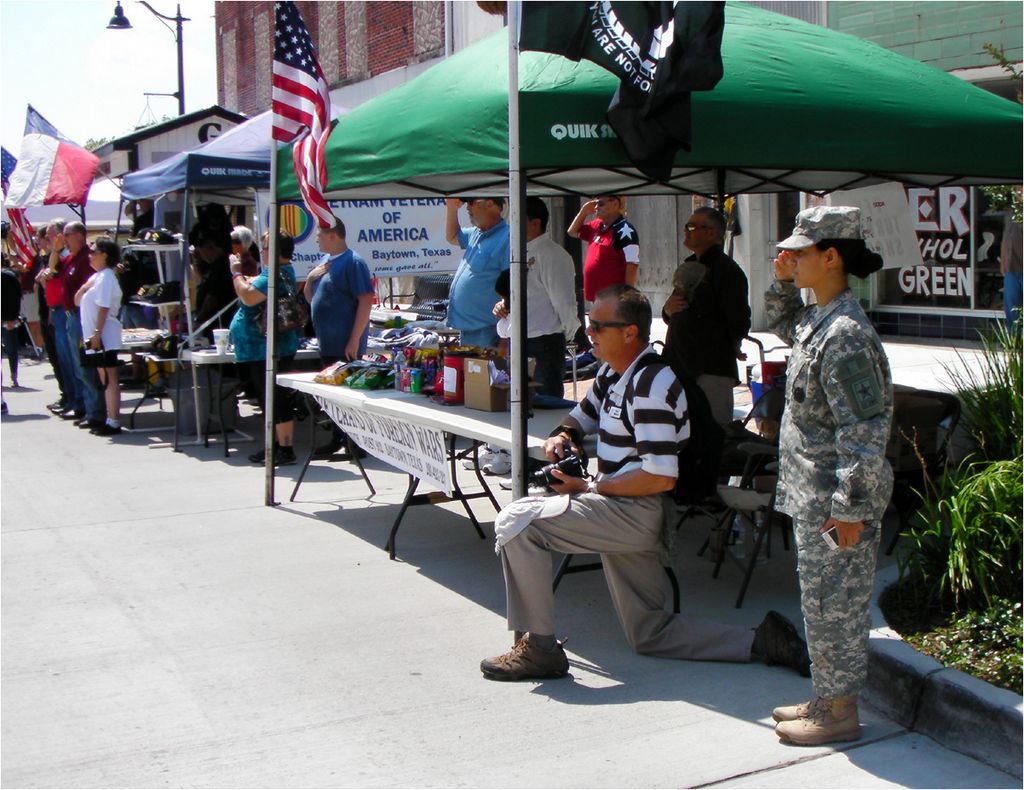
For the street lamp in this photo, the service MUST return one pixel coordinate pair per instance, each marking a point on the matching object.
(120, 22)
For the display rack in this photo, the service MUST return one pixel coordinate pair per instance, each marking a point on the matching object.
(184, 301)
(159, 252)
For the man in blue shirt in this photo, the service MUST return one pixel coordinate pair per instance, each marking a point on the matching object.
(340, 295)
(486, 245)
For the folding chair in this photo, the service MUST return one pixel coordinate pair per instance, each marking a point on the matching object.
(751, 458)
(918, 449)
(430, 301)
(752, 505)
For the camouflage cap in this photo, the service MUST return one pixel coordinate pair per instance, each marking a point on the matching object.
(823, 222)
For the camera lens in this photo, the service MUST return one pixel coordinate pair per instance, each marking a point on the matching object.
(570, 465)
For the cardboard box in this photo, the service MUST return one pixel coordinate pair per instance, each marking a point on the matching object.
(480, 394)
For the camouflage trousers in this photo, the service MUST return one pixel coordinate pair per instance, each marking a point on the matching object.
(835, 592)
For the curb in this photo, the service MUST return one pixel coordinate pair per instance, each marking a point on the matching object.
(960, 712)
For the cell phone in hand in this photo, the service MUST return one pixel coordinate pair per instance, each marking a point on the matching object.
(831, 537)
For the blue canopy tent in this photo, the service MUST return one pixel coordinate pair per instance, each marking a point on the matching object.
(227, 168)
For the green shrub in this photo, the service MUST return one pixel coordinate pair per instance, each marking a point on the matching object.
(984, 644)
(991, 398)
(959, 594)
(965, 549)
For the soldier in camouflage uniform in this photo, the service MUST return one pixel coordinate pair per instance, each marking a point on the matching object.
(832, 470)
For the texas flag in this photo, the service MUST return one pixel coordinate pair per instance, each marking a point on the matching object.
(51, 169)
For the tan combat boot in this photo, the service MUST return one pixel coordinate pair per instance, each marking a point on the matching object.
(792, 712)
(827, 721)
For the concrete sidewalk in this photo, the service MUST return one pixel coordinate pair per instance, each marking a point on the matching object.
(162, 628)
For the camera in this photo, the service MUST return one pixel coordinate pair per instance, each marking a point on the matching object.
(571, 465)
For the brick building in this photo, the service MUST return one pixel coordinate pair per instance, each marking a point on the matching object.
(358, 42)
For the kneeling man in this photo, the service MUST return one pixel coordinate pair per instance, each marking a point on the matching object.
(639, 414)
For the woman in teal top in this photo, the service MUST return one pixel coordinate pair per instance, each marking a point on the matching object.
(251, 345)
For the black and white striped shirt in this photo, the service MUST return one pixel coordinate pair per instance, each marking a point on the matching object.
(657, 412)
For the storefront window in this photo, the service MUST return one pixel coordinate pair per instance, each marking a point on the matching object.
(941, 219)
(959, 245)
(988, 280)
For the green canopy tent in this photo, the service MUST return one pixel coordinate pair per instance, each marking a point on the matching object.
(800, 107)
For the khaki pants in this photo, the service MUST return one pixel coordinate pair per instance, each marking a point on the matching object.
(626, 532)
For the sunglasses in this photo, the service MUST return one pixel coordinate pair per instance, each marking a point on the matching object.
(691, 226)
(600, 326)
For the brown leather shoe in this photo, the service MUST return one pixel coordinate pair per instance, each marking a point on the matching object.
(827, 721)
(526, 662)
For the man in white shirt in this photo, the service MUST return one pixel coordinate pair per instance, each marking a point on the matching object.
(551, 301)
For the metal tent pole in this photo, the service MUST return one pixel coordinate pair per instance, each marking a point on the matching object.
(517, 279)
(186, 300)
(271, 370)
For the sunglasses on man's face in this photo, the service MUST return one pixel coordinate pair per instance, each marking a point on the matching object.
(600, 326)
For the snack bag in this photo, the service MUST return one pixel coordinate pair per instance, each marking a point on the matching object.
(372, 379)
(333, 374)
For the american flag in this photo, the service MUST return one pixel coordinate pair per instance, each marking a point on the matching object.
(22, 236)
(301, 106)
(8, 164)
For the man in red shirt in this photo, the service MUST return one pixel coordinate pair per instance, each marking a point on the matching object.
(73, 405)
(44, 238)
(72, 270)
(613, 256)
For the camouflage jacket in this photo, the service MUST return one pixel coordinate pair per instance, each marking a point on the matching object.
(838, 409)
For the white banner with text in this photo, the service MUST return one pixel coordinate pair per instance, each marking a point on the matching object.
(415, 449)
(396, 237)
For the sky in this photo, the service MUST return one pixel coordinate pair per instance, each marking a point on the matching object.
(58, 56)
